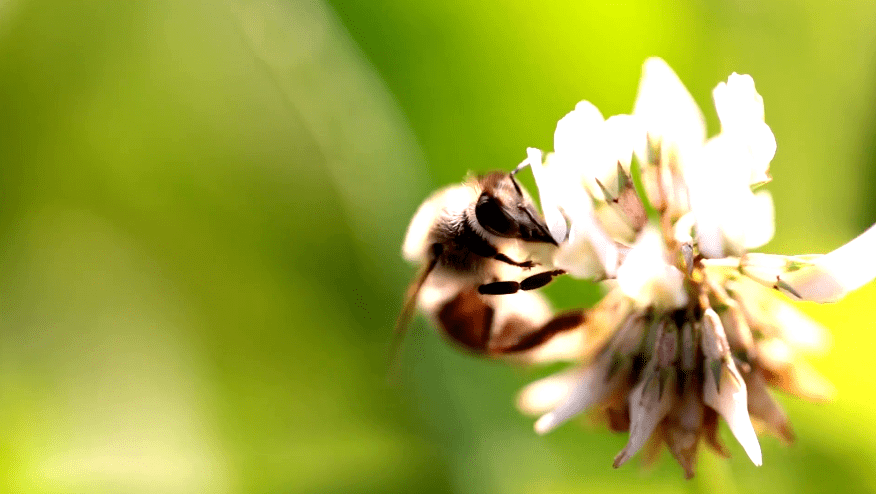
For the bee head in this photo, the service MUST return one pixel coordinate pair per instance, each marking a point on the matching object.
(504, 210)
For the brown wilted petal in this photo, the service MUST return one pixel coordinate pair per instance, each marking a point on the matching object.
(763, 407)
(603, 320)
(683, 427)
(775, 318)
(710, 432)
(738, 332)
(791, 374)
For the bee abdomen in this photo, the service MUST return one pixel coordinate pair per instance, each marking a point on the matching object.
(467, 320)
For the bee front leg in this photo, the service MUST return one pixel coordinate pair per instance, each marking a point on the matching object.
(507, 260)
(478, 245)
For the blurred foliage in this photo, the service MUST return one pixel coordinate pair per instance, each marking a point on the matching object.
(203, 202)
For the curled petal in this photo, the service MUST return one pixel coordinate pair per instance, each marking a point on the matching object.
(826, 278)
(770, 269)
(836, 274)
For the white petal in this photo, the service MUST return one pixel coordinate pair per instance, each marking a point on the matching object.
(667, 110)
(624, 135)
(761, 220)
(730, 218)
(645, 276)
(737, 101)
(587, 242)
(588, 148)
(762, 147)
(578, 258)
(731, 402)
(581, 148)
(548, 195)
(683, 228)
(573, 129)
(714, 189)
(546, 394)
(740, 109)
(647, 408)
(591, 388)
(727, 395)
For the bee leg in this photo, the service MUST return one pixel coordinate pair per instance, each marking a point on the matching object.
(480, 246)
(499, 288)
(531, 283)
(541, 279)
(513, 339)
(507, 260)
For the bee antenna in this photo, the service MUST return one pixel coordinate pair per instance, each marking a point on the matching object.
(521, 166)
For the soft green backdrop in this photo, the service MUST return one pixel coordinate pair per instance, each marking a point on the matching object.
(203, 203)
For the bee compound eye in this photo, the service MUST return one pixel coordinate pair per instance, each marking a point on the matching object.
(491, 215)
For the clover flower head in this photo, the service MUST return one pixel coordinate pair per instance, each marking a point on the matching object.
(691, 330)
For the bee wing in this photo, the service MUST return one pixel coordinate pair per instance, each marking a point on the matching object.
(407, 312)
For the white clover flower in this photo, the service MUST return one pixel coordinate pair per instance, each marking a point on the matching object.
(689, 331)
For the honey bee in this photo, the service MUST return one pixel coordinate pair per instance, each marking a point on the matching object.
(469, 240)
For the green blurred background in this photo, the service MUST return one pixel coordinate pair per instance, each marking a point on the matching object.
(202, 211)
